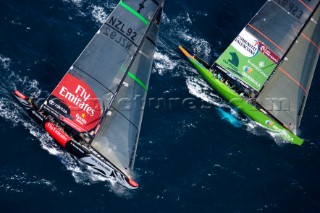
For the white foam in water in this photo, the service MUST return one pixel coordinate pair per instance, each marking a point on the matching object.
(99, 14)
(17, 182)
(163, 63)
(200, 89)
(78, 3)
(167, 60)
(4, 62)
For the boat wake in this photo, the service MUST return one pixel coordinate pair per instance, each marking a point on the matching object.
(199, 88)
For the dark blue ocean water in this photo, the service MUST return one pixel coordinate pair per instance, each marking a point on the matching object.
(207, 159)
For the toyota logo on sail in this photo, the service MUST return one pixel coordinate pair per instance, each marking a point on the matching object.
(57, 106)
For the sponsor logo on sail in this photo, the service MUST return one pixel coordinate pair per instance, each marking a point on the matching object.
(248, 69)
(80, 119)
(234, 59)
(250, 46)
(269, 123)
(267, 52)
(261, 64)
(79, 104)
(246, 44)
(78, 98)
(57, 106)
(256, 83)
(258, 68)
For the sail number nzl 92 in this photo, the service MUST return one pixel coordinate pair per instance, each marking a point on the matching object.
(119, 32)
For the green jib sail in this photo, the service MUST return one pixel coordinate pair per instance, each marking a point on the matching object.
(245, 60)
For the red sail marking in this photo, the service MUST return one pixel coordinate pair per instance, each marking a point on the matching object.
(267, 52)
(294, 80)
(258, 31)
(76, 94)
(304, 4)
(57, 134)
(314, 44)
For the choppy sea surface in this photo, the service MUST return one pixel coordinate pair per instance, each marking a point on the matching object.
(204, 158)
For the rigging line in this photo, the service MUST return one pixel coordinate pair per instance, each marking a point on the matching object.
(294, 80)
(304, 4)
(309, 39)
(282, 50)
(93, 78)
(125, 117)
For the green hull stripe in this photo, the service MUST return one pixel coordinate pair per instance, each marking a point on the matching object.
(127, 7)
(138, 81)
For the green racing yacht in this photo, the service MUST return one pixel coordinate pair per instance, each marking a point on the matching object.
(267, 71)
